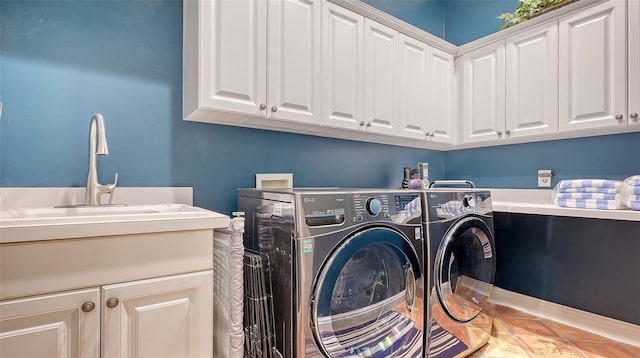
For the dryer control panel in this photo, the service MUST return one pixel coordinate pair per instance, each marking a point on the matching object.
(449, 204)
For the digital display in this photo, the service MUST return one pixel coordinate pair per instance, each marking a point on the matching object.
(401, 201)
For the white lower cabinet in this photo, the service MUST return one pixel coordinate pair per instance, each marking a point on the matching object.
(58, 325)
(162, 317)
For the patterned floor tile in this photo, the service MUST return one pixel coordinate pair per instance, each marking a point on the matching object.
(573, 333)
(503, 347)
(545, 347)
(528, 327)
(499, 328)
(603, 349)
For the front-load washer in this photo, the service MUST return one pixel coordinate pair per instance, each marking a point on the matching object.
(458, 226)
(346, 267)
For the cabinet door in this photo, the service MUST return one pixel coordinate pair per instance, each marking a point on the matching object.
(413, 85)
(532, 82)
(634, 61)
(483, 95)
(593, 67)
(343, 70)
(441, 94)
(232, 74)
(381, 76)
(51, 326)
(294, 58)
(163, 317)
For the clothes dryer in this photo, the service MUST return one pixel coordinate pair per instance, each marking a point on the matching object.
(458, 226)
(346, 268)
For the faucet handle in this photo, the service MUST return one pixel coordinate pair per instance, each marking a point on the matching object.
(112, 187)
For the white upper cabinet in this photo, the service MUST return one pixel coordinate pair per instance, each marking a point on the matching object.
(593, 67)
(381, 78)
(229, 69)
(232, 63)
(532, 82)
(294, 56)
(441, 94)
(413, 87)
(483, 112)
(634, 61)
(343, 47)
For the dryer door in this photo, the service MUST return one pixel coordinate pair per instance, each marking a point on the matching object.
(367, 297)
(464, 268)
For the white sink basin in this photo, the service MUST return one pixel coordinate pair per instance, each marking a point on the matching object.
(28, 224)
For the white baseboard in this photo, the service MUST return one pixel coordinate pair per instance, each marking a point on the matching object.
(607, 327)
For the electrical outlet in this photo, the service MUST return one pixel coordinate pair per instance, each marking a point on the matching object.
(544, 178)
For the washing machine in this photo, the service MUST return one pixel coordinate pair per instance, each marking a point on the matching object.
(458, 227)
(346, 269)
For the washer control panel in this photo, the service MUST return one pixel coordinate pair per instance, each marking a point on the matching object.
(333, 209)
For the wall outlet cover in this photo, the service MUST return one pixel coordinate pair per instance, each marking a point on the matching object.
(544, 178)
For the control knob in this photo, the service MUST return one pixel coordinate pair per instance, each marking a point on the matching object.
(373, 206)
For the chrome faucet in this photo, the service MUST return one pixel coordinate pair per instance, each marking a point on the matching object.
(97, 146)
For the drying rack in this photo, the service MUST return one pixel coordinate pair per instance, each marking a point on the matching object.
(259, 333)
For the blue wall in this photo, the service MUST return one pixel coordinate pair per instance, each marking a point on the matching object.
(457, 21)
(428, 15)
(61, 61)
(516, 166)
(64, 60)
(468, 20)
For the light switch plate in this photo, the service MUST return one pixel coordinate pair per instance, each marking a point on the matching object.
(544, 178)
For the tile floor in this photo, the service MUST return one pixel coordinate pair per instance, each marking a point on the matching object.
(517, 334)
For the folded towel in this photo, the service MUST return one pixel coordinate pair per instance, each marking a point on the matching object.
(632, 190)
(587, 183)
(635, 205)
(591, 190)
(633, 180)
(588, 196)
(590, 204)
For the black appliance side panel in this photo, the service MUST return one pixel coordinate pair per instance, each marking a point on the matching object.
(589, 264)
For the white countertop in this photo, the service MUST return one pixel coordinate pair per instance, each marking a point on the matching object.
(538, 202)
(29, 214)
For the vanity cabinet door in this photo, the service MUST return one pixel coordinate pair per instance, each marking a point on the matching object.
(57, 325)
(342, 99)
(293, 65)
(163, 317)
(593, 67)
(483, 106)
(532, 82)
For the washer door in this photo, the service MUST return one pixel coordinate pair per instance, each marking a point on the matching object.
(464, 268)
(367, 297)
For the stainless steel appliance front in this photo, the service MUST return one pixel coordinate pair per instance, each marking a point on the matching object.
(347, 269)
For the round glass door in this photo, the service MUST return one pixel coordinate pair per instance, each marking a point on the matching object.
(366, 298)
(464, 268)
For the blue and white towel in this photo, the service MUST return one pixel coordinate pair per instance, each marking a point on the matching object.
(633, 180)
(587, 183)
(601, 196)
(591, 190)
(590, 204)
(635, 205)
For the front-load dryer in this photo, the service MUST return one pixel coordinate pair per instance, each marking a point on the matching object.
(346, 268)
(458, 226)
